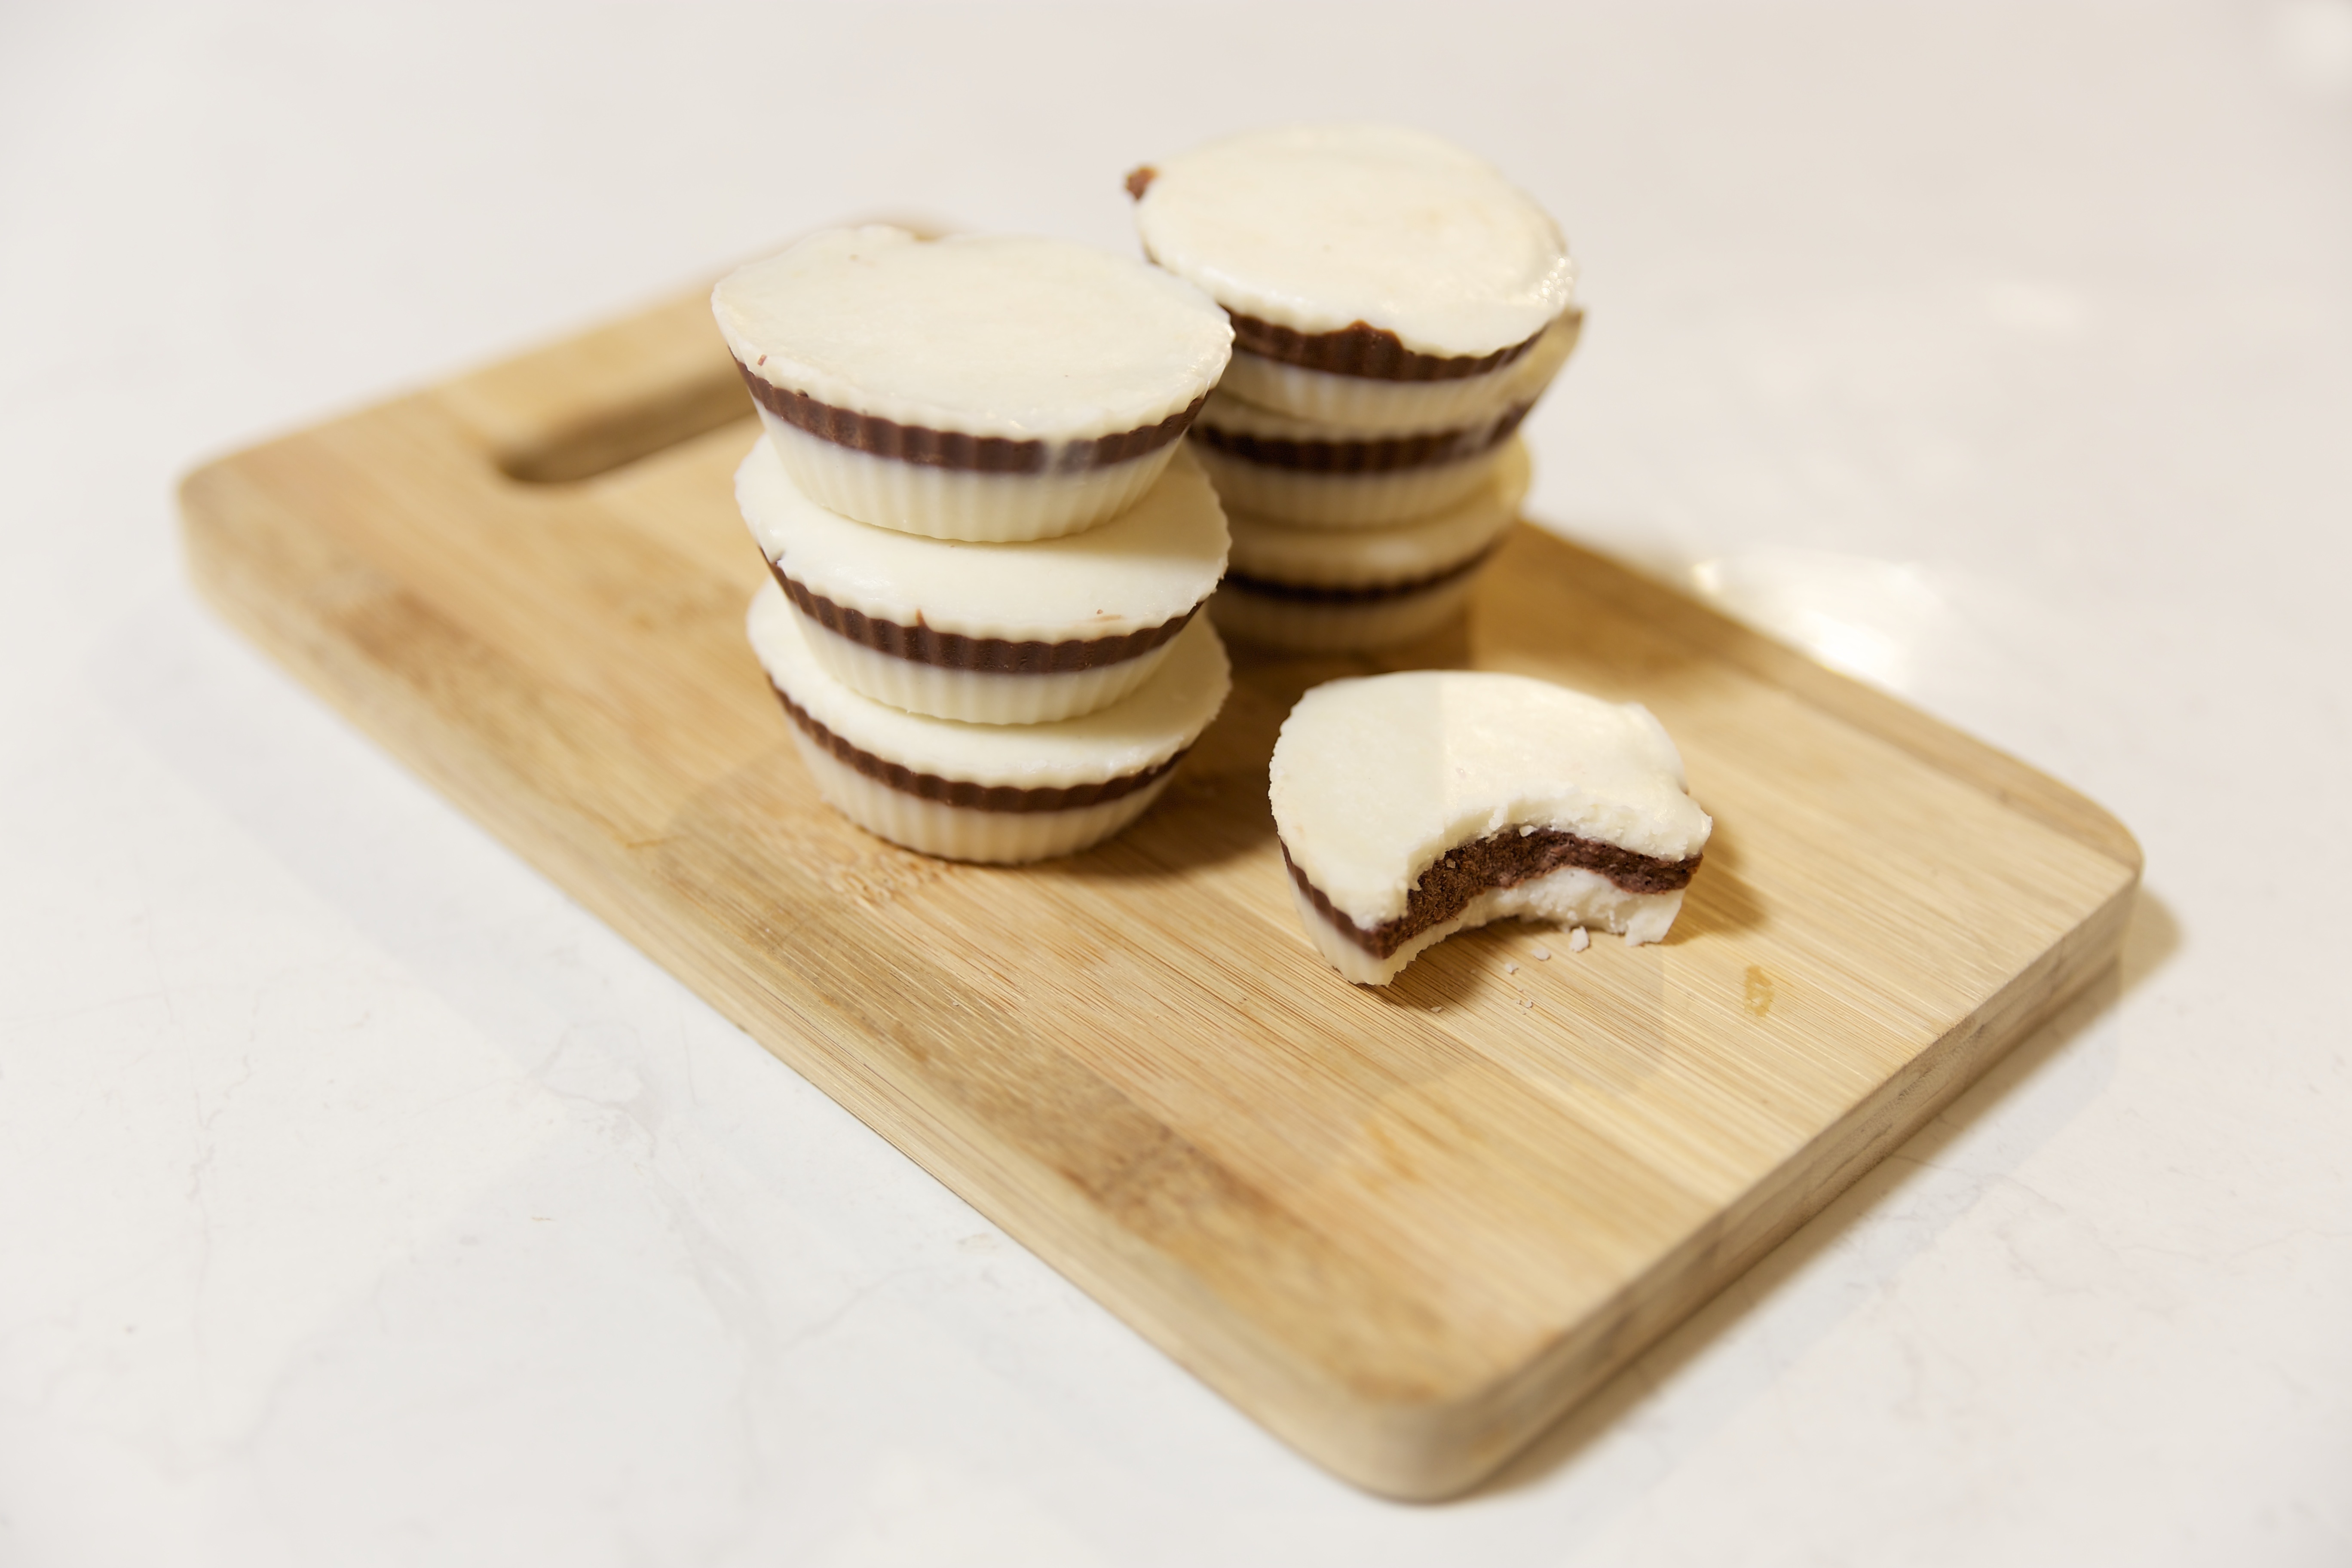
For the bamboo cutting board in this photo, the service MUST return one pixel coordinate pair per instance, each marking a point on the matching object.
(1404, 1228)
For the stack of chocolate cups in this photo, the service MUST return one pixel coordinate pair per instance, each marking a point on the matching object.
(1397, 307)
(988, 543)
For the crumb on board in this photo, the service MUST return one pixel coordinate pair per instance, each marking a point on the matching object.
(1510, 969)
(1578, 941)
(1541, 954)
(1437, 1006)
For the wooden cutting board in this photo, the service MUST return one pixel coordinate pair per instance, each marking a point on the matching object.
(1404, 1228)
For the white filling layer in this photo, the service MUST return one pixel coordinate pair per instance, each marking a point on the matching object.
(1302, 625)
(986, 334)
(955, 503)
(1283, 552)
(1569, 897)
(1373, 779)
(976, 696)
(1159, 719)
(1316, 228)
(962, 833)
(1365, 404)
(1148, 566)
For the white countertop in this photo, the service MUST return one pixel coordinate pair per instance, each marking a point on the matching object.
(363, 1200)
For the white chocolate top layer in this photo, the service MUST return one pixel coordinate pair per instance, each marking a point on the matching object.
(1316, 228)
(1154, 722)
(1373, 779)
(1145, 567)
(1368, 557)
(988, 334)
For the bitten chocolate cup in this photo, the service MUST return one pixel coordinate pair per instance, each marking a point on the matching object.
(1320, 590)
(1415, 804)
(1377, 277)
(992, 634)
(985, 388)
(992, 793)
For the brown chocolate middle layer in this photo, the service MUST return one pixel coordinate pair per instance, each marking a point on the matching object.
(1504, 859)
(1384, 455)
(964, 792)
(1312, 593)
(957, 450)
(1363, 349)
(989, 656)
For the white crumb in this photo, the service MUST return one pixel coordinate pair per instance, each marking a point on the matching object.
(1540, 954)
(1577, 941)
(1510, 969)
(1437, 1006)
(1526, 1000)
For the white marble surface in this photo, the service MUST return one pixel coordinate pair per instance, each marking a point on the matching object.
(363, 1201)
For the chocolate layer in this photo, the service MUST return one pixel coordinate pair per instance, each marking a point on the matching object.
(957, 450)
(1361, 348)
(989, 656)
(964, 792)
(1383, 456)
(1504, 859)
(1309, 593)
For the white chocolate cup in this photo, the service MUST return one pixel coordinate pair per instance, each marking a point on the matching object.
(1353, 589)
(962, 832)
(855, 746)
(1318, 227)
(1265, 550)
(1571, 896)
(1054, 348)
(974, 696)
(1023, 633)
(959, 503)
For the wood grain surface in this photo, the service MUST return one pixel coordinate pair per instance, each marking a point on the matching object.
(1404, 1228)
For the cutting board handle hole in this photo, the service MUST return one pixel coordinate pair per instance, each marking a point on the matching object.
(602, 439)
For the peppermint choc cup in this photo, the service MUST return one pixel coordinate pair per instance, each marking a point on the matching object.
(989, 793)
(1376, 276)
(987, 388)
(992, 634)
(1321, 475)
(1318, 590)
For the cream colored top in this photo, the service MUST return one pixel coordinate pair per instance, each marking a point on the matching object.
(1373, 779)
(1320, 227)
(1280, 552)
(1146, 566)
(1141, 731)
(988, 334)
